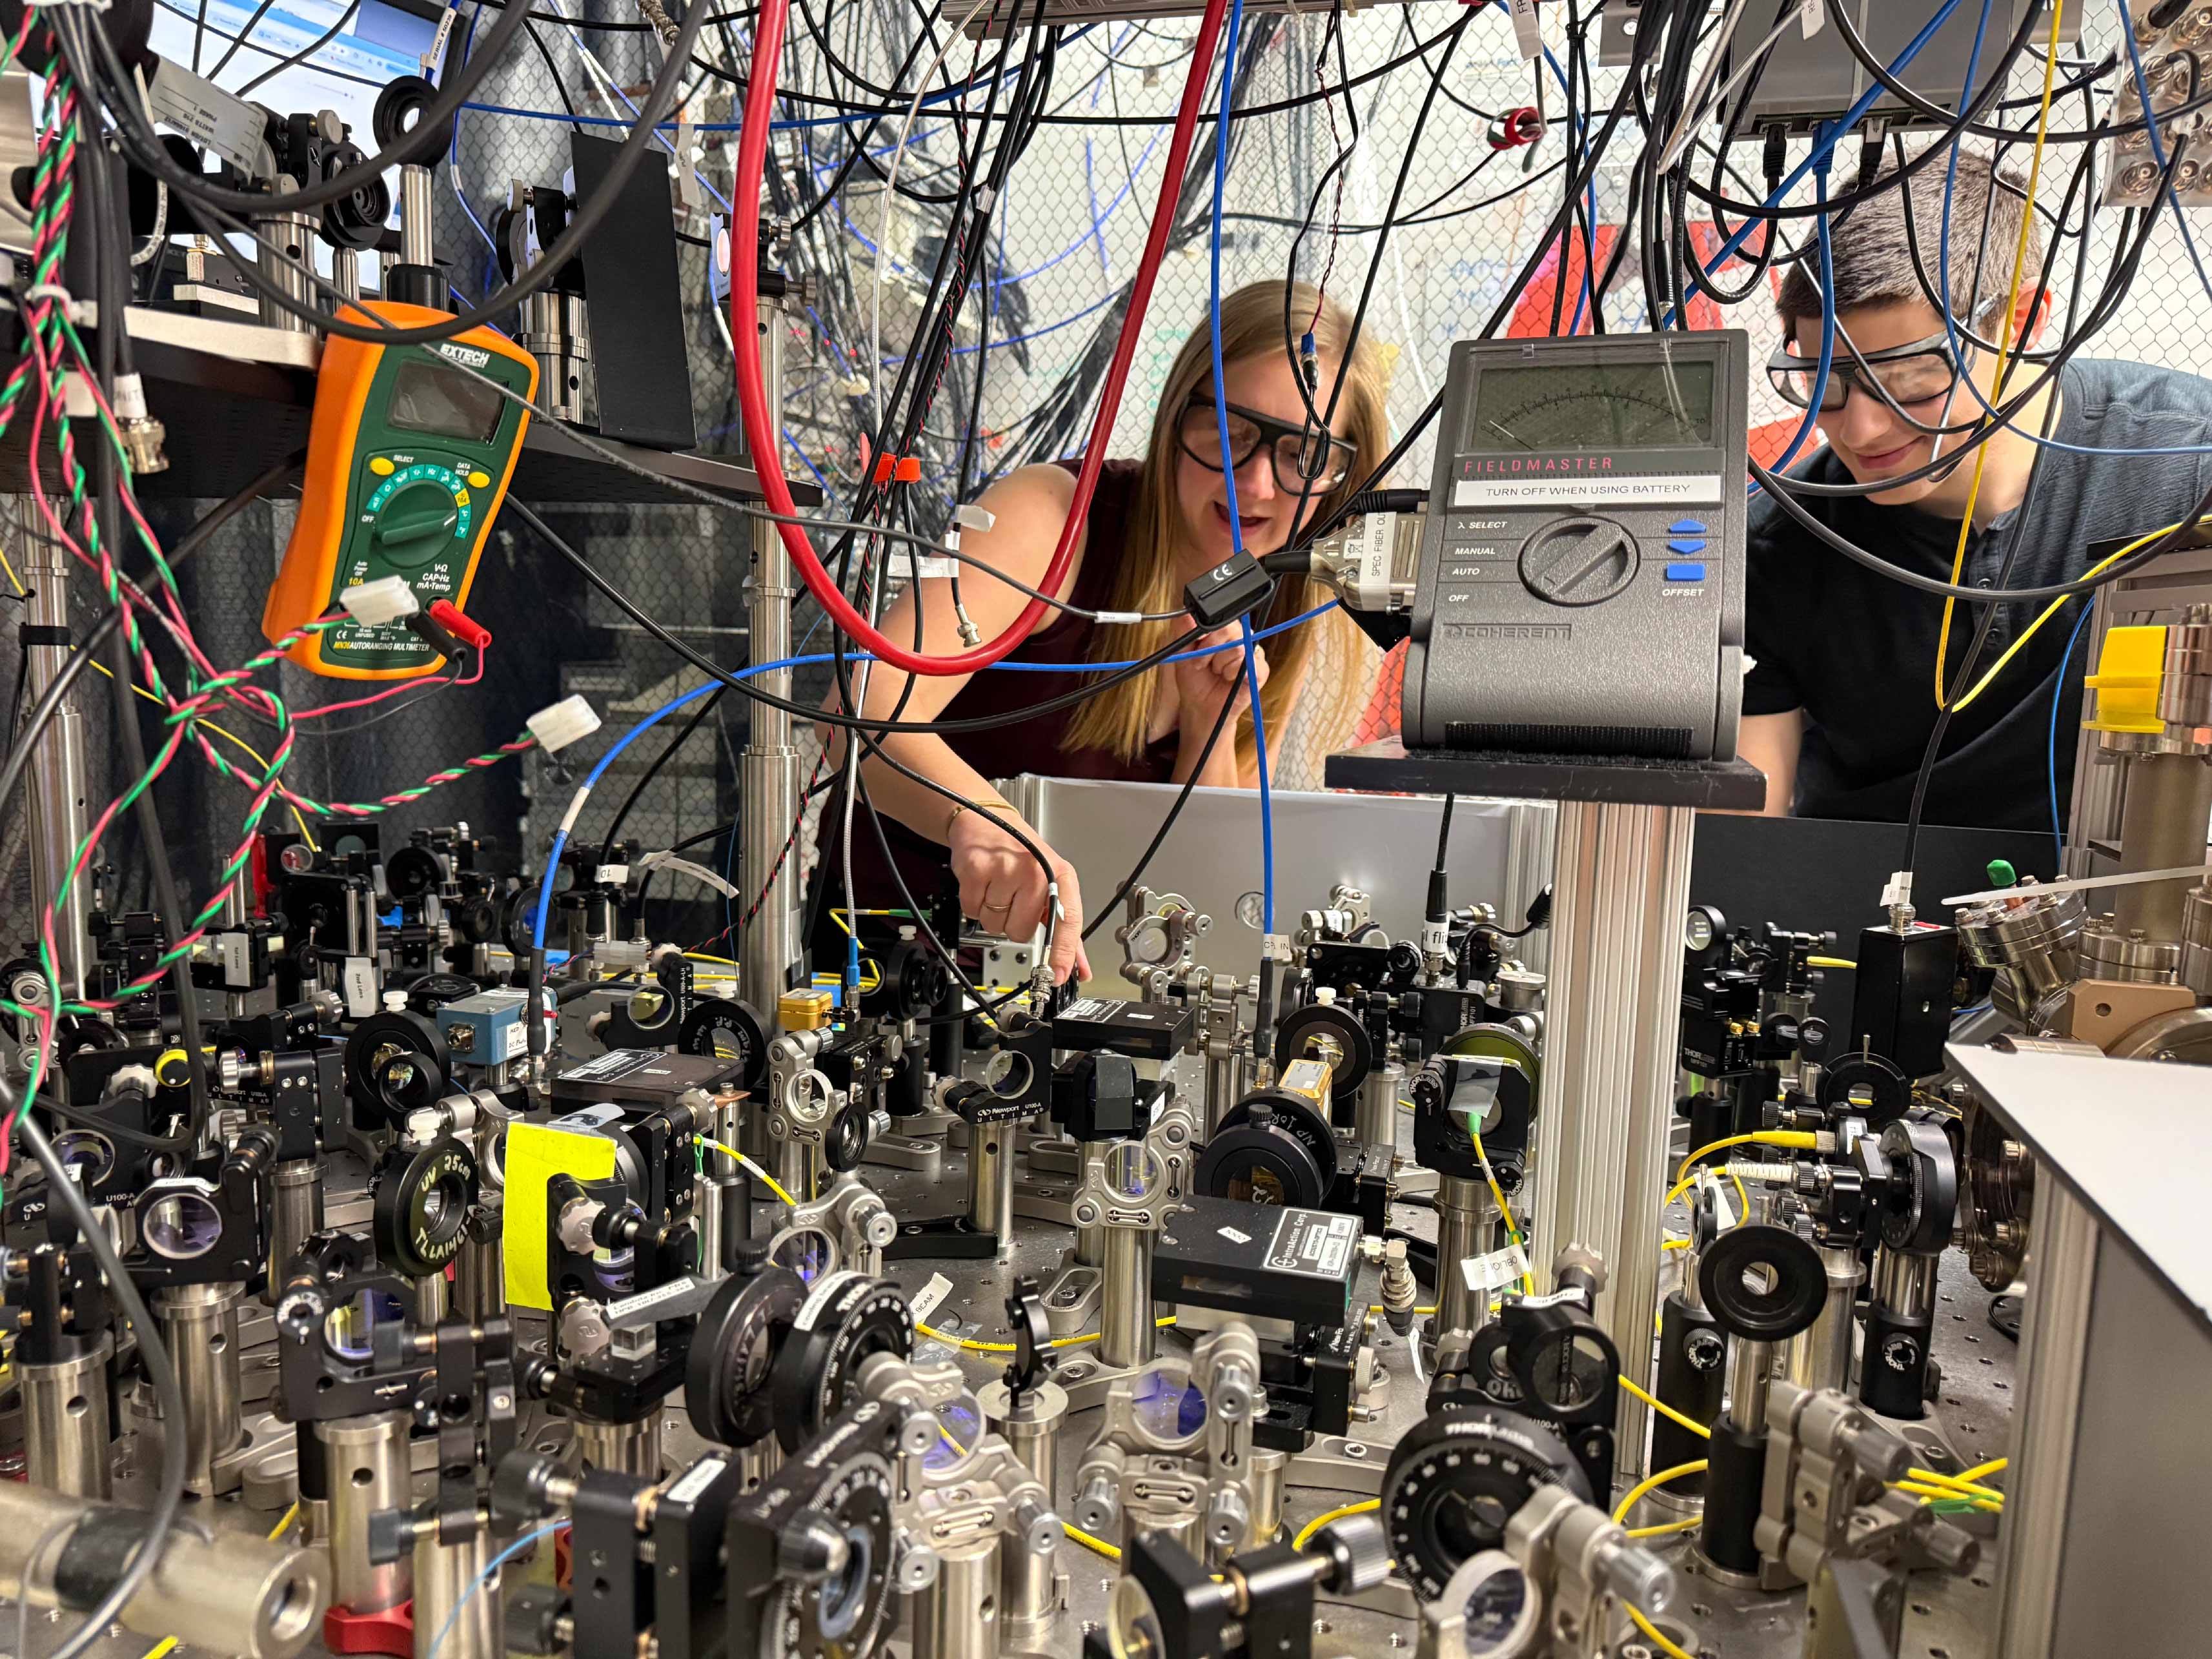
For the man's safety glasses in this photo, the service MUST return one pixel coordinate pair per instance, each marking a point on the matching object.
(1900, 376)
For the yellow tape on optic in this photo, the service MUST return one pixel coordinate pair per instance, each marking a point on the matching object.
(535, 1154)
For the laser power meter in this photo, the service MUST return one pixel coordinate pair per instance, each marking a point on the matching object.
(408, 459)
(1580, 589)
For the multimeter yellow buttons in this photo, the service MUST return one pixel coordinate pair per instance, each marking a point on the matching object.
(408, 460)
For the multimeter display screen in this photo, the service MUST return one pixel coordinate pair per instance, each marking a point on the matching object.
(426, 397)
(1593, 406)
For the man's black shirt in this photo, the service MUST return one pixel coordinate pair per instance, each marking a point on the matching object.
(1856, 651)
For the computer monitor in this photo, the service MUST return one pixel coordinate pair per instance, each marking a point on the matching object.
(384, 40)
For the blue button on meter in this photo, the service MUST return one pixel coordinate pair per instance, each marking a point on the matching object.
(1686, 527)
(1685, 572)
(1680, 545)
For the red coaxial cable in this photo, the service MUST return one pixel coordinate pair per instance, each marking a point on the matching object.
(763, 440)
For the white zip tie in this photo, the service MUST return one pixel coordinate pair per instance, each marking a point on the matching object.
(2083, 884)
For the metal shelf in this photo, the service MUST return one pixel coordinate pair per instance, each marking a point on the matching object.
(235, 396)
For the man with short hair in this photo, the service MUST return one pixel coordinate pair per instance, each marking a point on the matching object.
(1840, 700)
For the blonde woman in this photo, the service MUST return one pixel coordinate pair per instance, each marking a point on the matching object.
(1154, 525)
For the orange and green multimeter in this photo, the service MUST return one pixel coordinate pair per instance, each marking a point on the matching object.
(408, 460)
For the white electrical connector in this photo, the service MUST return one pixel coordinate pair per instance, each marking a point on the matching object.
(386, 599)
(968, 515)
(562, 723)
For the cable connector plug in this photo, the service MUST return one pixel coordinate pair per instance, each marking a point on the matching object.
(430, 627)
(560, 724)
(1399, 1289)
(972, 515)
(378, 604)
(1897, 899)
(1235, 587)
(142, 436)
(472, 635)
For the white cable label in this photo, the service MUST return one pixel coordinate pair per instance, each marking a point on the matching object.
(924, 1301)
(360, 983)
(1527, 30)
(1813, 16)
(812, 1308)
(436, 54)
(1495, 1271)
(702, 1474)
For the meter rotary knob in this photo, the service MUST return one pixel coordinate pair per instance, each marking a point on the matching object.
(1579, 560)
(418, 511)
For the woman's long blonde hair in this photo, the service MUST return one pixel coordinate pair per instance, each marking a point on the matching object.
(1119, 720)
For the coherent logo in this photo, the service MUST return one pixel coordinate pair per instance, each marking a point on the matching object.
(1509, 630)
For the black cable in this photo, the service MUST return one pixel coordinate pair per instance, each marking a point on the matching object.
(1167, 823)
(1858, 555)
(1924, 778)
(300, 56)
(1575, 201)
(428, 133)
(666, 88)
(831, 717)
(59, 688)
(1389, 212)
(946, 954)
(719, 19)
(1939, 147)
(1857, 46)
(244, 35)
(1207, 117)
(1998, 600)
(928, 352)
(1444, 829)
(1594, 155)
(1232, 216)
(560, 87)
(2084, 170)
(105, 225)
(2108, 303)
(445, 682)
(622, 814)
(1332, 174)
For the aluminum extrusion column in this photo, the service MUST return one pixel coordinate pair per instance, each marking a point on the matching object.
(2055, 1352)
(1621, 886)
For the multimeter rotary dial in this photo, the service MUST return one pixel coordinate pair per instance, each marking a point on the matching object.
(1582, 560)
(418, 512)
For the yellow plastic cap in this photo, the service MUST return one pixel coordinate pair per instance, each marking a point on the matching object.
(2127, 681)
